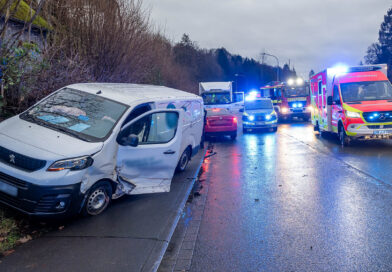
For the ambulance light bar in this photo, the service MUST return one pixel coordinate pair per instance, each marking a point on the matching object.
(344, 69)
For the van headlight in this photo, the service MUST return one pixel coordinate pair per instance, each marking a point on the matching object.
(71, 164)
(353, 114)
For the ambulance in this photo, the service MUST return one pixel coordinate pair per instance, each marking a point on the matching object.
(291, 99)
(353, 102)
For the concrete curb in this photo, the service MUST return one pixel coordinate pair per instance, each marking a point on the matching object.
(152, 263)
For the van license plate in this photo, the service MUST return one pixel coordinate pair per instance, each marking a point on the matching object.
(260, 123)
(382, 132)
(8, 189)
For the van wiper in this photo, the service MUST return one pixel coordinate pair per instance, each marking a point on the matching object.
(31, 118)
(66, 131)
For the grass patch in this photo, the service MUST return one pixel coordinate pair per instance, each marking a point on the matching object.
(9, 233)
(16, 229)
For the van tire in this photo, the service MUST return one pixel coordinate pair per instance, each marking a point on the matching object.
(184, 160)
(202, 140)
(98, 199)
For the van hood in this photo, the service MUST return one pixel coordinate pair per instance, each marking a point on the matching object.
(40, 142)
(377, 105)
(265, 111)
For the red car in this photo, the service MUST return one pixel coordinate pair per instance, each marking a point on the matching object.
(220, 122)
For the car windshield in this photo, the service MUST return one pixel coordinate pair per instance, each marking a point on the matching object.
(366, 91)
(82, 115)
(258, 105)
(296, 91)
(216, 98)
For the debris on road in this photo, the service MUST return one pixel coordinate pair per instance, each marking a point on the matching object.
(210, 155)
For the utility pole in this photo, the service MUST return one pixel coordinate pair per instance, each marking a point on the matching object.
(277, 61)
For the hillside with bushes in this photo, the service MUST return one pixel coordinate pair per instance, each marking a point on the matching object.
(107, 41)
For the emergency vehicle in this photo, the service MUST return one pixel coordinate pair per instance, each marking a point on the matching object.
(221, 95)
(353, 102)
(291, 98)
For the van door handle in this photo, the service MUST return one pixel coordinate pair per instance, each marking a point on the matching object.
(169, 152)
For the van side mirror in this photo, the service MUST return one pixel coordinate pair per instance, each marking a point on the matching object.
(133, 140)
(329, 100)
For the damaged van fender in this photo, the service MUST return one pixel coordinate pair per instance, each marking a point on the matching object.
(85, 144)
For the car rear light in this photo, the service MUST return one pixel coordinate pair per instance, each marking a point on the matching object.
(235, 120)
(216, 110)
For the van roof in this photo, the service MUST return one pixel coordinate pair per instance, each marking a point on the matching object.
(222, 85)
(129, 93)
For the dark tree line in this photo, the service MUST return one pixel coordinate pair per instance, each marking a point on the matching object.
(221, 65)
(381, 51)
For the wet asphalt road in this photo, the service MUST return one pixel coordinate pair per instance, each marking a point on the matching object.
(293, 201)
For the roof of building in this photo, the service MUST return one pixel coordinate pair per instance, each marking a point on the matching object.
(129, 93)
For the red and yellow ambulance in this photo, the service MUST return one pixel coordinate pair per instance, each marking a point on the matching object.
(353, 102)
(291, 98)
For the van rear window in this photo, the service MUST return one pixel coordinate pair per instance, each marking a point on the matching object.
(79, 114)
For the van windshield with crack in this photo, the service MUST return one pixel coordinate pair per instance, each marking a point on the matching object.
(82, 115)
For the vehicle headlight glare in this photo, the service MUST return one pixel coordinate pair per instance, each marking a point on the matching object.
(285, 110)
(251, 117)
(352, 114)
(268, 117)
(71, 164)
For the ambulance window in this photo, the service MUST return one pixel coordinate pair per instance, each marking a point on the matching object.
(319, 88)
(336, 97)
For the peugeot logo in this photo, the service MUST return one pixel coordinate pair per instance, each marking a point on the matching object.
(12, 158)
(382, 117)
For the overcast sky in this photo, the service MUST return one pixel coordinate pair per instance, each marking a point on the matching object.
(313, 34)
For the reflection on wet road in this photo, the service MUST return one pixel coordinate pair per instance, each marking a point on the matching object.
(293, 201)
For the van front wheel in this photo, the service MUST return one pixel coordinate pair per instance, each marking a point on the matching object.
(184, 160)
(98, 199)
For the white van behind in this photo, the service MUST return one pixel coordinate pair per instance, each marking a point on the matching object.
(85, 144)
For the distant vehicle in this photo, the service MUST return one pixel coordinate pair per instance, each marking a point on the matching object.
(221, 95)
(259, 113)
(353, 102)
(88, 143)
(291, 99)
(221, 122)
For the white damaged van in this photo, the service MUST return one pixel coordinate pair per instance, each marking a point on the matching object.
(85, 144)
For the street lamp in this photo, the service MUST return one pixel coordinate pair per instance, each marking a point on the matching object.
(277, 61)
